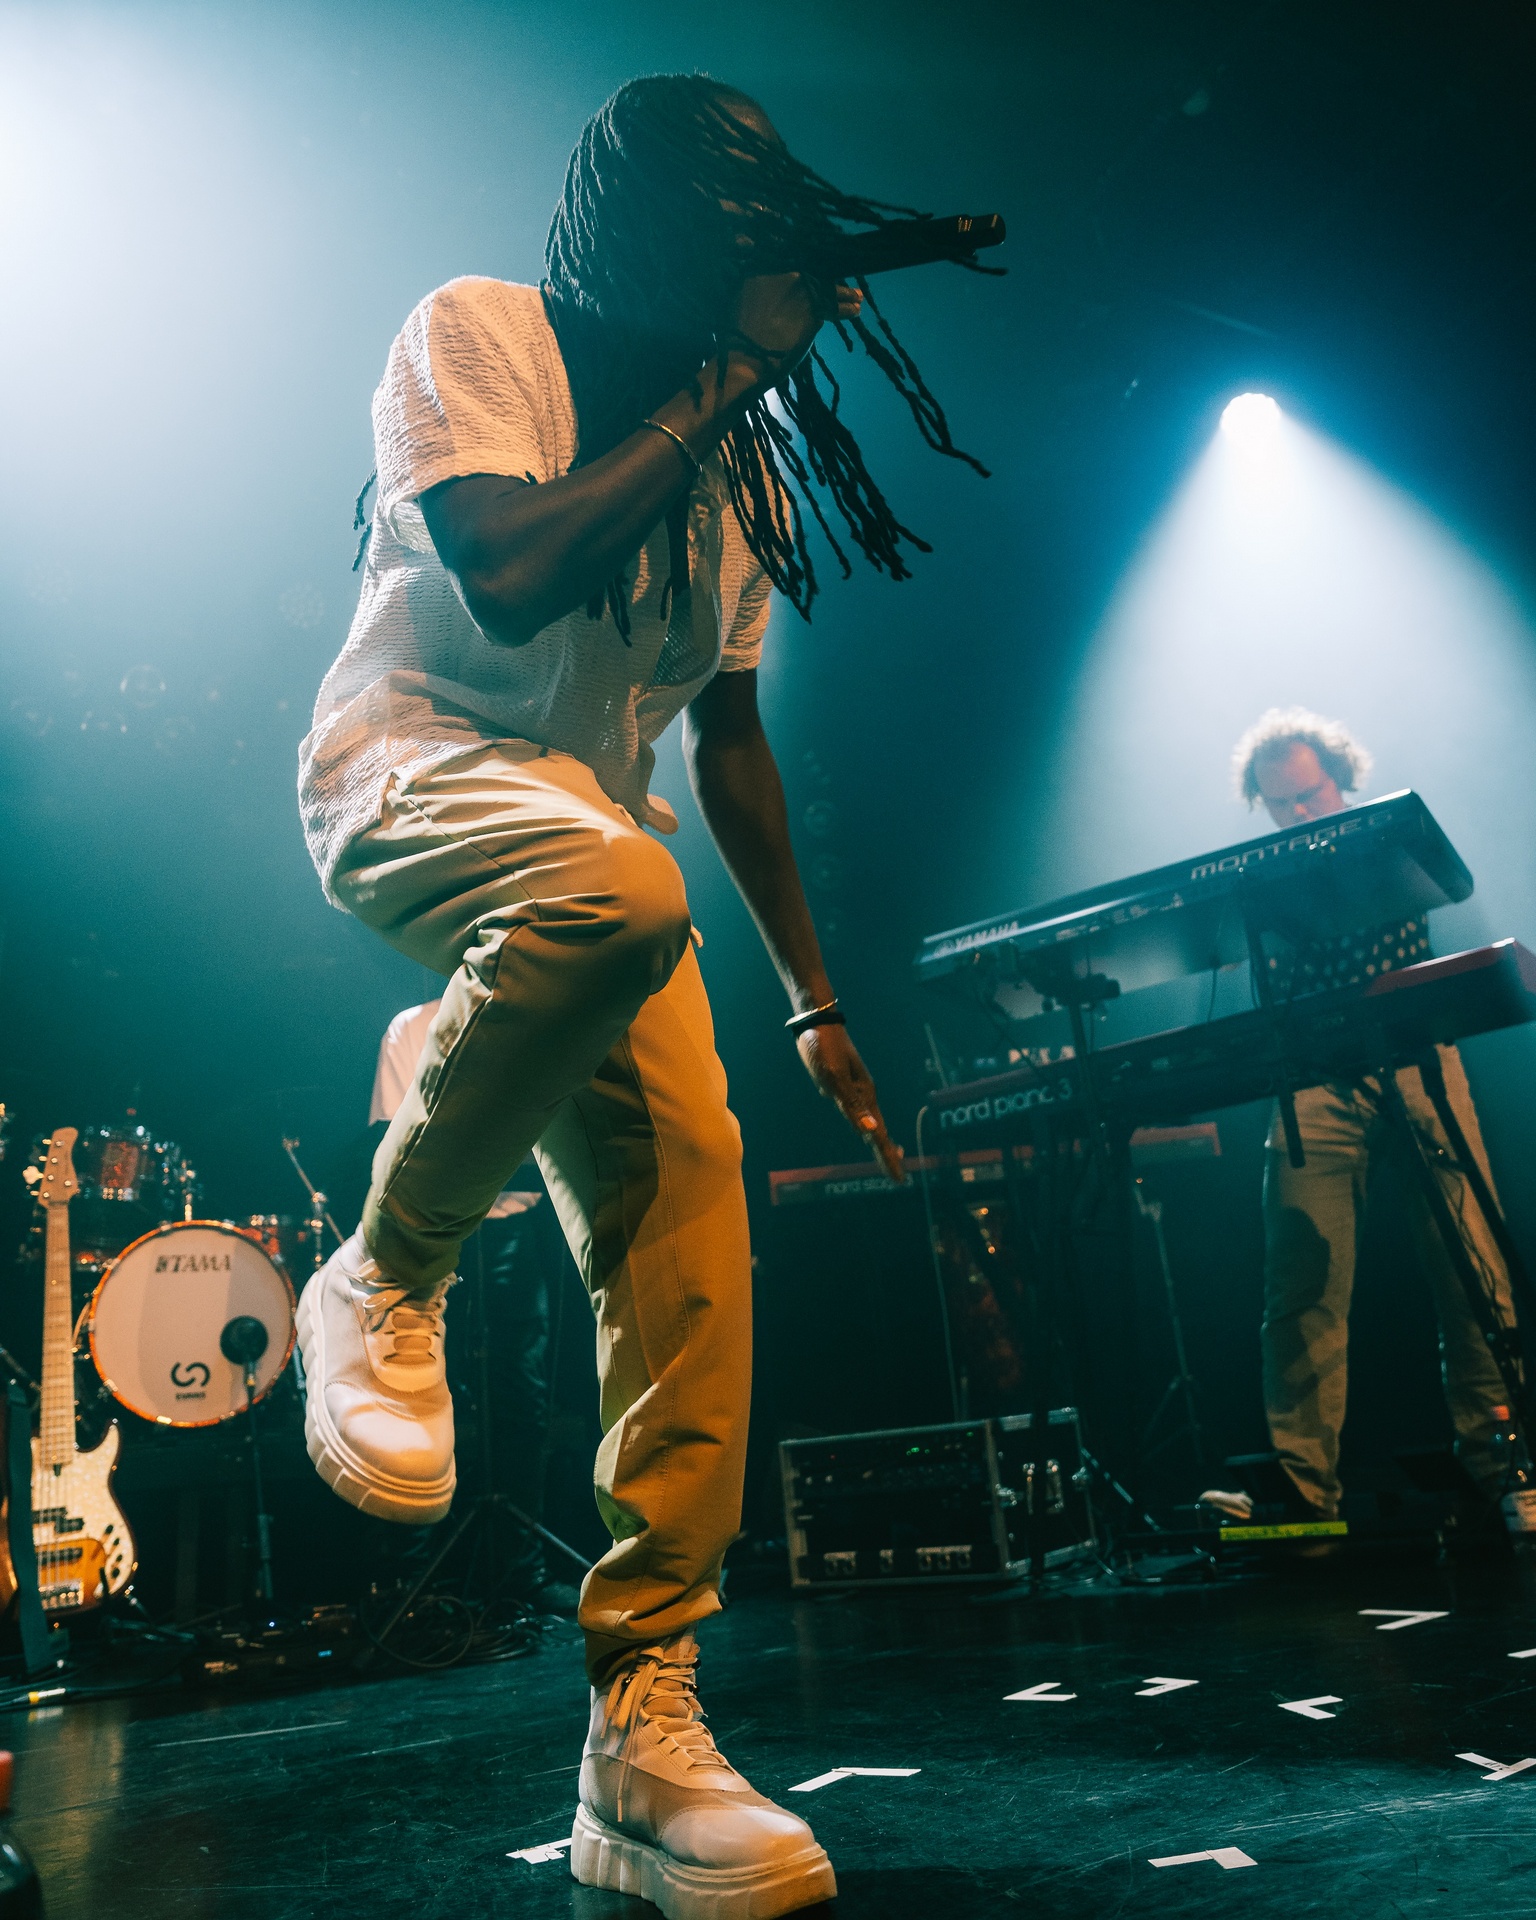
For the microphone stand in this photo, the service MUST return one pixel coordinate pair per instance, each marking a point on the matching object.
(319, 1207)
(244, 1340)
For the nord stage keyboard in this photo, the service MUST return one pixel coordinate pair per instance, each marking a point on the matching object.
(1195, 1069)
(1386, 860)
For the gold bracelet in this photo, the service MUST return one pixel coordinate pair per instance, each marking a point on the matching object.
(680, 443)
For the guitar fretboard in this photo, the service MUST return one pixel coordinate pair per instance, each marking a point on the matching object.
(56, 1425)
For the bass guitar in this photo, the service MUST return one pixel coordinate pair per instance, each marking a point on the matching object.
(85, 1549)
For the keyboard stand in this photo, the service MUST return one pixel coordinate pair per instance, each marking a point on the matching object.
(1502, 1339)
(1263, 987)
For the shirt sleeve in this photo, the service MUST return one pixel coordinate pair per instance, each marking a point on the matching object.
(461, 394)
(743, 647)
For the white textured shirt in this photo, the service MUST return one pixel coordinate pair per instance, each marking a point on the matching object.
(475, 384)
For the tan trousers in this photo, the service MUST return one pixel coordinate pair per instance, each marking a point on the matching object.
(1313, 1216)
(575, 1023)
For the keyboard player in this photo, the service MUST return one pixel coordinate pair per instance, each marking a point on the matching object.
(1300, 767)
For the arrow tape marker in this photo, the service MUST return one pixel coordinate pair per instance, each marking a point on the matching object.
(855, 1773)
(1499, 1772)
(539, 1856)
(1041, 1692)
(1396, 1617)
(1157, 1684)
(1223, 1856)
(1313, 1709)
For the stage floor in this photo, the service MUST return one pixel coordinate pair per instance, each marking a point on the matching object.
(410, 1796)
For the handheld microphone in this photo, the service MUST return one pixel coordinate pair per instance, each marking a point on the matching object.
(907, 243)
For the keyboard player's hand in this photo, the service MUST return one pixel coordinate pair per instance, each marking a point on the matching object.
(832, 1061)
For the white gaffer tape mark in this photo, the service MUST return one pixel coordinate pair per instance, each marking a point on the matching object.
(541, 1856)
(1157, 1684)
(1396, 1617)
(264, 1733)
(855, 1773)
(1499, 1772)
(1525, 1653)
(1044, 1691)
(1223, 1856)
(1313, 1709)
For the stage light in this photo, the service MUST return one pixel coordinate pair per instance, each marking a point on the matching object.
(1251, 419)
(1286, 571)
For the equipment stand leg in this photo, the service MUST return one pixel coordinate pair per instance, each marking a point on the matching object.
(1182, 1386)
(35, 1652)
(1467, 1164)
(1258, 967)
(487, 1446)
(263, 1519)
(1503, 1341)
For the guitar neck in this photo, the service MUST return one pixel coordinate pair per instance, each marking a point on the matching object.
(56, 1428)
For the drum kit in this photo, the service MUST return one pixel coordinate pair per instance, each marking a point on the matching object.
(156, 1288)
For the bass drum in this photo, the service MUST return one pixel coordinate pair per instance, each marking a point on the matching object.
(154, 1322)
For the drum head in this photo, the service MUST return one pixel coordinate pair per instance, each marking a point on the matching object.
(155, 1321)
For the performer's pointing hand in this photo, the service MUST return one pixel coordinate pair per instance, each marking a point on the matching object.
(832, 1061)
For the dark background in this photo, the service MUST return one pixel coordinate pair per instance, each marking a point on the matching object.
(215, 220)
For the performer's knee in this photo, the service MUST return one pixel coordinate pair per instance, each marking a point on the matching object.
(647, 913)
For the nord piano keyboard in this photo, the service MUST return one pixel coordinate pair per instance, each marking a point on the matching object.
(1196, 1069)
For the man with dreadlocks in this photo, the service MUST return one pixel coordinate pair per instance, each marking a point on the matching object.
(586, 493)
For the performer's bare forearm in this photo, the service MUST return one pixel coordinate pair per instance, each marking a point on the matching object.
(526, 555)
(736, 780)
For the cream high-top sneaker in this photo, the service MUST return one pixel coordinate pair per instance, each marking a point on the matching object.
(379, 1417)
(664, 1815)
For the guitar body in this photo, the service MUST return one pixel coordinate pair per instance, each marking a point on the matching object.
(84, 1547)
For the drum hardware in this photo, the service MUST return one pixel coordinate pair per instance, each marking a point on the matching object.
(319, 1205)
(128, 1182)
(243, 1341)
(282, 1238)
(18, 1372)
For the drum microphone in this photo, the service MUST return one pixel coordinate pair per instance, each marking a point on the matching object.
(907, 243)
(243, 1341)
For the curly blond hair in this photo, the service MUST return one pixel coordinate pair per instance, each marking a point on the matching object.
(1339, 753)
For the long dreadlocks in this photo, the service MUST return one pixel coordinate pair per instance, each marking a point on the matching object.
(667, 197)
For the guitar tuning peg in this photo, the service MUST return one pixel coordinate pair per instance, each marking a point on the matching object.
(31, 1175)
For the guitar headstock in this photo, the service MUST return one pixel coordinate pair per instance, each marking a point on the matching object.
(57, 1184)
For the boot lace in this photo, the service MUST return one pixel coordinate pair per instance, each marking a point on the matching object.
(413, 1326)
(660, 1691)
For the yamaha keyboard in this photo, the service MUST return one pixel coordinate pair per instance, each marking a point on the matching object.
(1196, 1069)
(1386, 860)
